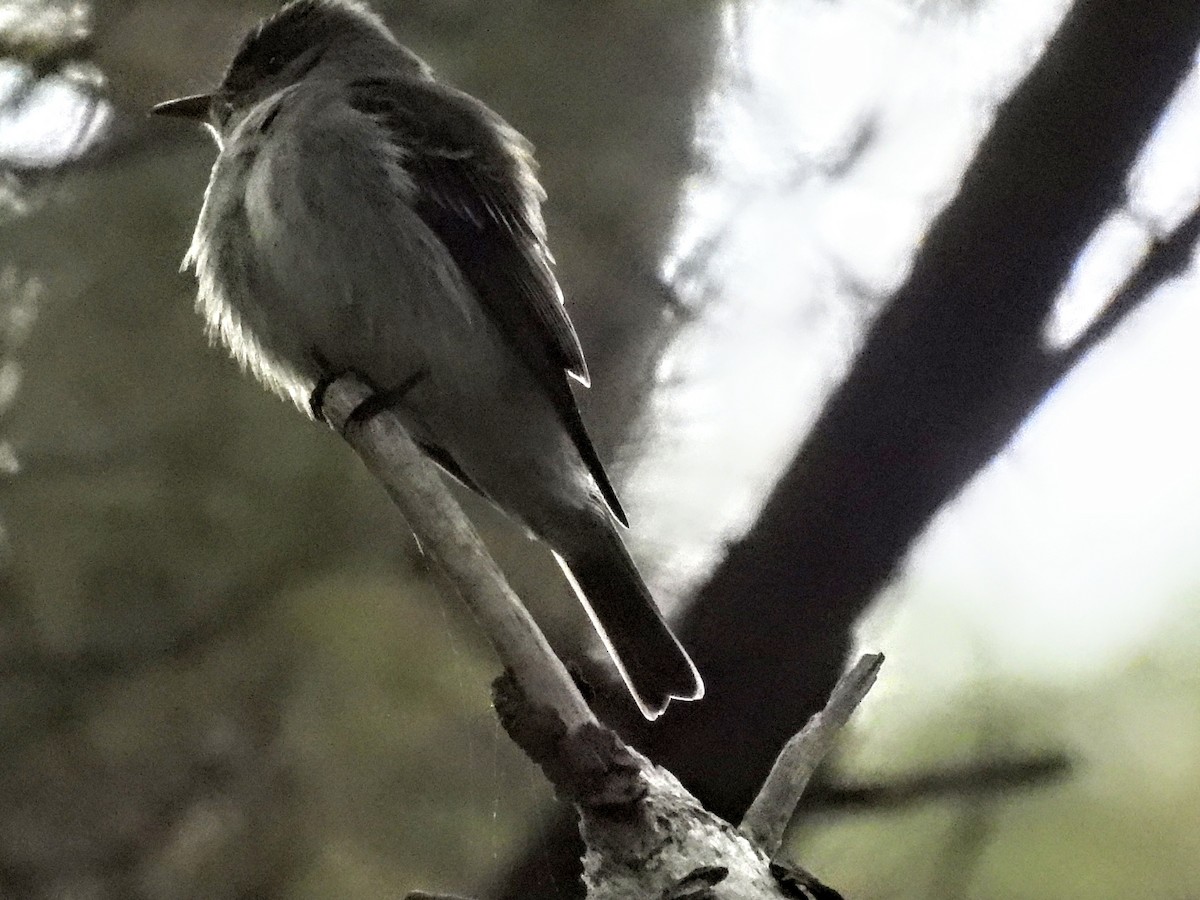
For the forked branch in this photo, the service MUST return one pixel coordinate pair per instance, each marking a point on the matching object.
(646, 836)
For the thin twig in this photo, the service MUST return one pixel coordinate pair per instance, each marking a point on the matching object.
(769, 814)
(444, 530)
(1167, 258)
(952, 782)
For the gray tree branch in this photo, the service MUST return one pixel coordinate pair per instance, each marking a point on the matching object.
(768, 816)
(416, 487)
(646, 835)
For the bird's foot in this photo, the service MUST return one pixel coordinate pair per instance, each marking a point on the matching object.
(383, 399)
(316, 400)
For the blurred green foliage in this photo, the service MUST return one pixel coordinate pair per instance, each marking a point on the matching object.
(227, 671)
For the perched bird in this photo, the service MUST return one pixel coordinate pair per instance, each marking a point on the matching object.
(364, 217)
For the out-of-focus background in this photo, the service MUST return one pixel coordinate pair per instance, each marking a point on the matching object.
(891, 314)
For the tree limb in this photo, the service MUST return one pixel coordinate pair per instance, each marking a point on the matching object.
(971, 780)
(1167, 258)
(768, 816)
(417, 488)
(646, 835)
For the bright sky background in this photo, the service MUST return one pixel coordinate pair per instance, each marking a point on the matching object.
(787, 256)
(1053, 603)
(52, 121)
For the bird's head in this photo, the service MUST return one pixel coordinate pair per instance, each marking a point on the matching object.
(304, 39)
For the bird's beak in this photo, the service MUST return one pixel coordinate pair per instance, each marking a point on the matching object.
(195, 107)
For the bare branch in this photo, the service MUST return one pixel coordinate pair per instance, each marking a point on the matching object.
(967, 781)
(1168, 258)
(769, 814)
(416, 486)
(646, 835)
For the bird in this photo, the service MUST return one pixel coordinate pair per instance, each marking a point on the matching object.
(364, 216)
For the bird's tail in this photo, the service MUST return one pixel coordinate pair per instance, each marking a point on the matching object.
(650, 659)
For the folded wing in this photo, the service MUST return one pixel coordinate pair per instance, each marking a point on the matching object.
(477, 189)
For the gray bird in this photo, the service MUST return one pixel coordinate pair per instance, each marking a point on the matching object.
(364, 217)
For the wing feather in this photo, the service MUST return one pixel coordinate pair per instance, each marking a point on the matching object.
(477, 189)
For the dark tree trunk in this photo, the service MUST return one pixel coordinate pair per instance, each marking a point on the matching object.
(946, 375)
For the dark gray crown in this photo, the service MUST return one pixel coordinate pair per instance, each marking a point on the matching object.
(298, 27)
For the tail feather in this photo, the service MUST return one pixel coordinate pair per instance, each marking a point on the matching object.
(650, 659)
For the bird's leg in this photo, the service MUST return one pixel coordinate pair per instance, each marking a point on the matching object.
(316, 400)
(384, 399)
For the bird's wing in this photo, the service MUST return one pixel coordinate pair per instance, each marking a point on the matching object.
(477, 189)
